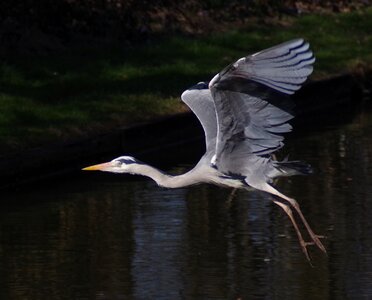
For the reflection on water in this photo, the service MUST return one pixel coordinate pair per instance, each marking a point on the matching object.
(99, 236)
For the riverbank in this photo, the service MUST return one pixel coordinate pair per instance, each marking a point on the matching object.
(85, 91)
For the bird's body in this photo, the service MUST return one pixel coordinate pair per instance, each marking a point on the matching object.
(244, 111)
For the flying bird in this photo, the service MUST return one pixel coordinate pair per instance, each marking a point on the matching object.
(244, 111)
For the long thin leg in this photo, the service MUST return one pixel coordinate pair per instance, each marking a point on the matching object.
(231, 197)
(232, 194)
(288, 211)
(296, 206)
(314, 237)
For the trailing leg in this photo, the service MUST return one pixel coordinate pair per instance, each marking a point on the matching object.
(288, 211)
(293, 202)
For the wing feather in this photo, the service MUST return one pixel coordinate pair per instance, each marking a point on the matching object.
(252, 105)
(283, 68)
(200, 101)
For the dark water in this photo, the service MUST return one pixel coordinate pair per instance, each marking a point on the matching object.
(97, 236)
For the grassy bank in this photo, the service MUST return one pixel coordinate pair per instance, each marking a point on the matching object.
(85, 91)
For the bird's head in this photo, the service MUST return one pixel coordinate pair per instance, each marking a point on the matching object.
(122, 164)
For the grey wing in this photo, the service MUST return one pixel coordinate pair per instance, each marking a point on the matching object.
(283, 67)
(201, 103)
(253, 108)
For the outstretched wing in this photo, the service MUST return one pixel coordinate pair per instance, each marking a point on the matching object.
(283, 67)
(200, 101)
(252, 104)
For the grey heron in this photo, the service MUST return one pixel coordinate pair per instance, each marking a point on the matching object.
(244, 111)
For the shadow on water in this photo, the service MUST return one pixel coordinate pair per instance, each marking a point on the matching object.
(99, 236)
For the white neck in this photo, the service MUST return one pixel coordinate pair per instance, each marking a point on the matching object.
(163, 179)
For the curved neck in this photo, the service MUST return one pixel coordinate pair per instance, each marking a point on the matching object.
(163, 179)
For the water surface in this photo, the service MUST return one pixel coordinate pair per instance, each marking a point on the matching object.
(98, 236)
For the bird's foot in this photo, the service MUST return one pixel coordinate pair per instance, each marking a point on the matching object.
(315, 241)
(304, 248)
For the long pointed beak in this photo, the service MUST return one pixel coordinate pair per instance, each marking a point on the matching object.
(99, 167)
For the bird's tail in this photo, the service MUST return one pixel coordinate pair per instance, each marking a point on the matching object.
(294, 167)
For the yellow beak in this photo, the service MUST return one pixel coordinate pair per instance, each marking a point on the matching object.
(99, 167)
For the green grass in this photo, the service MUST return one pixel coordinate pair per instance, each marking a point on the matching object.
(86, 91)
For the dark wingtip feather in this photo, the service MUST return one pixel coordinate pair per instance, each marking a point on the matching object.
(294, 167)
